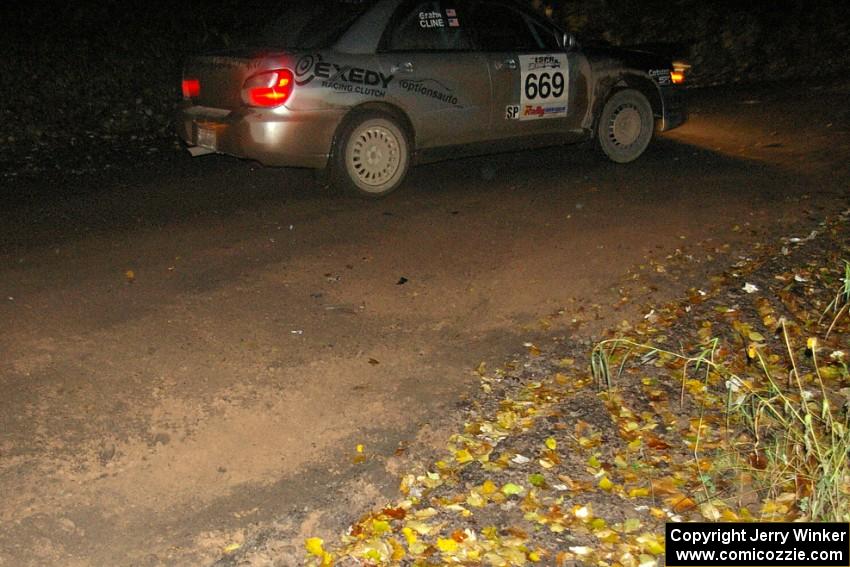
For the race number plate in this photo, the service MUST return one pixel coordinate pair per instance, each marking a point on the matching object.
(544, 86)
(206, 137)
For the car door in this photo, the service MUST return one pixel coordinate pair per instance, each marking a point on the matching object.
(532, 74)
(438, 78)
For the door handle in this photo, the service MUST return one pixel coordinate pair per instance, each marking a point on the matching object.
(403, 67)
(509, 63)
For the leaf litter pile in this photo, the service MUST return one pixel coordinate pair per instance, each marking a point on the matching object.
(728, 405)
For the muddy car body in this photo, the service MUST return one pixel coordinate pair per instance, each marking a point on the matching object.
(367, 88)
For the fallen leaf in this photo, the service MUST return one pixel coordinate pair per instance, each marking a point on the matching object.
(511, 489)
(314, 546)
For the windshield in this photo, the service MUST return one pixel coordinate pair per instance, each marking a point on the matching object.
(312, 24)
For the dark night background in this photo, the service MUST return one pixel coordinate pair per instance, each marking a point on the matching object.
(89, 73)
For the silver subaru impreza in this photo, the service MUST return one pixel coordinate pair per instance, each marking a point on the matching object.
(366, 88)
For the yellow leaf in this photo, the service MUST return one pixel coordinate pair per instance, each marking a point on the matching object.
(314, 546)
(546, 463)
(551, 443)
(510, 489)
(605, 484)
(506, 419)
(409, 535)
(638, 492)
(476, 500)
(232, 547)
(359, 448)
(631, 525)
(447, 545)
(420, 528)
(380, 526)
(651, 543)
(607, 535)
(709, 511)
(635, 445)
(425, 514)
(398, 550)
(463, 456)
(488, 487)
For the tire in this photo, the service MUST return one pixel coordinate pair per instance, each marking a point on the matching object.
(625, 126)
(372, 156)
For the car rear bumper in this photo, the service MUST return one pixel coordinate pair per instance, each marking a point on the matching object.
(276, 137)
(674, 111)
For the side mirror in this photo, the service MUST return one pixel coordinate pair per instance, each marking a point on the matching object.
(569, 41)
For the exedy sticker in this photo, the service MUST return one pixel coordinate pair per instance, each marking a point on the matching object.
(341, 78)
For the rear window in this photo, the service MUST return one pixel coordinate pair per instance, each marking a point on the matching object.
(304, 24)
(429, 26)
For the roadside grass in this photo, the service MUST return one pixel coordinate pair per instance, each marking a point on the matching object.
(789, 441)
(728, 405)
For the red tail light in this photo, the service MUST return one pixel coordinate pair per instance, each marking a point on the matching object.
(191, 88)
(268, 89)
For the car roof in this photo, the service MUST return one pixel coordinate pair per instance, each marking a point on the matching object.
(364, 36)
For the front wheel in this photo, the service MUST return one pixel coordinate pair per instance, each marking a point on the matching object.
(625, 126)
(372, 157)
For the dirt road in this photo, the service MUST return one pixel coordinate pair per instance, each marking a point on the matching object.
(193, 349)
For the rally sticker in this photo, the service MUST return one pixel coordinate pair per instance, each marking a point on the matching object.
(543, 87)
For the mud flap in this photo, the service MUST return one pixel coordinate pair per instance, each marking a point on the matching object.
(199, 151)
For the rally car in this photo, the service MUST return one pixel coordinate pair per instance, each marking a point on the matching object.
(365, 88)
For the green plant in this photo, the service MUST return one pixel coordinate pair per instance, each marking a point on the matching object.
(800, 436)
(841, 302)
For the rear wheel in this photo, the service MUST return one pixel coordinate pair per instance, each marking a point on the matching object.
(372, 156)
(625, 126)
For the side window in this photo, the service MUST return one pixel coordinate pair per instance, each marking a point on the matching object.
(547, 36)
(501, 28)
(429, 26)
